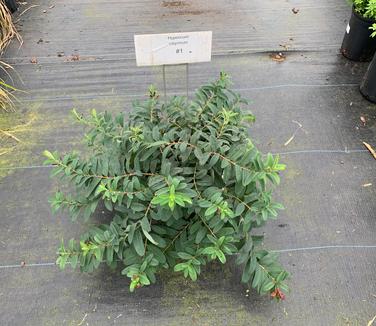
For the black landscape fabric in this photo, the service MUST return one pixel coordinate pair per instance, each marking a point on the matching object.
(80, 54)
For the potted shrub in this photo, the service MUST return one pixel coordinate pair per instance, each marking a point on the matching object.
(185, 186)
(357, 44)
(12, 5)
(368, 84)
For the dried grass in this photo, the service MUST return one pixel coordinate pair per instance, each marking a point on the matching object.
(7, 32)
(7, 99)
(7, 29)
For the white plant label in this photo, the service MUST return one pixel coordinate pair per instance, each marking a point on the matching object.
(173, 48)
(348, 29)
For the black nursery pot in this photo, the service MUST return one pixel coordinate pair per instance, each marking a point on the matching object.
(368, 85)
(357, 44)
(12, 5)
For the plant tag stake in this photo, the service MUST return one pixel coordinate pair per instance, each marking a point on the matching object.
(173, 49)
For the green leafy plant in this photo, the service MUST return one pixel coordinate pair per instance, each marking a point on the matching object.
(365, 8)
(185, 185)
(373, 29)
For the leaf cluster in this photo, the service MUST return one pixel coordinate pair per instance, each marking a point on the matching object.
(365, 8)
(185, 186)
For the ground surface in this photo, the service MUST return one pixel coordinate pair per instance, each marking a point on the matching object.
(83, 56)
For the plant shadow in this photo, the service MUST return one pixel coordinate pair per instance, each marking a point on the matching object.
(217, 297)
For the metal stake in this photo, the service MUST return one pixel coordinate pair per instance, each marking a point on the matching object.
(164, 83)
(187, 79)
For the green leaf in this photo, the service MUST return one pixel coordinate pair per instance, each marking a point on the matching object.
(204, 158)
(157, 143)
(247, 273)
(161, 242)
(267, 286)
(132, 228)
(108, 205)
(74, 261)
(149, 237)
(138, 207)
(138, 243)
(250, 118)
(238, 173)
(184, 255)
(200, 235)
(225, 163)
(183, 147)
(147, 154)
(257, 278)
(144, 279)
(145, 224)
(198, 153)
(192, 273)
(239, 209)
(180, 267)
(49, 155)
(156, 134)
(209, 251)
(221, 256)
(158, 254)
(247, 178)
(109, 254)
(211, 210)
(213, 160)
